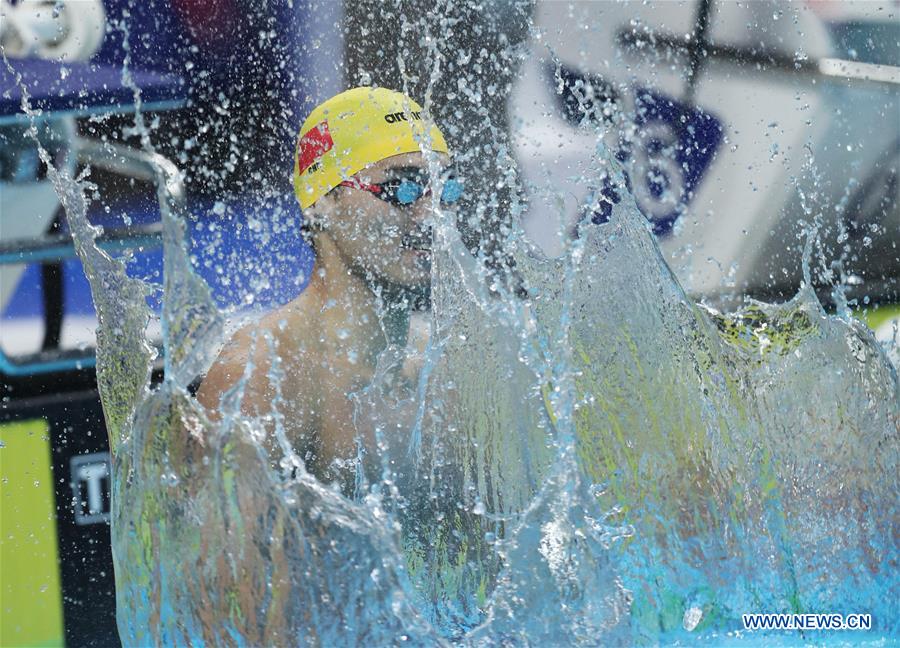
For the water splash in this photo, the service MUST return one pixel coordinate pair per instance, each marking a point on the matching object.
(600, 461)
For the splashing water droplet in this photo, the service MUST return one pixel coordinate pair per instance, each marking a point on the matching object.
(692, 618)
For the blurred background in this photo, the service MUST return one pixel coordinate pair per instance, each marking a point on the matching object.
(741, 128)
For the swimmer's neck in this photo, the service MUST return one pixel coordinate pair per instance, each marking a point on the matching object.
(335, 279)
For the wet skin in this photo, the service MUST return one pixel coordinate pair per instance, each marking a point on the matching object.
(329, 337)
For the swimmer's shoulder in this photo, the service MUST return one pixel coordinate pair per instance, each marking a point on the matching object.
(292, 324)
(297, 325)
(293, 329)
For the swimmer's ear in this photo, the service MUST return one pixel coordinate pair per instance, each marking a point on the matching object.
(313, 219)
(316, 215)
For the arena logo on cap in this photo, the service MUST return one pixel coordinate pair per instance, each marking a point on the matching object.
(393, 118)
(315, 143)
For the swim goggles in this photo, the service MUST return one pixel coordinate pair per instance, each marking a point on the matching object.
(404, 191)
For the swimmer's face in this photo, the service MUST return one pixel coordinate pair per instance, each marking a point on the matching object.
(390, 242)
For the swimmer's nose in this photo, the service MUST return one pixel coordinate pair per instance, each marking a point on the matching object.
(421, 209)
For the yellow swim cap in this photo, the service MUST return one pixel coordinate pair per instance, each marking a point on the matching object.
(351, 131)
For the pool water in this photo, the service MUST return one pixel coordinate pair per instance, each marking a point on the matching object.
(592, 459)
(595, 462)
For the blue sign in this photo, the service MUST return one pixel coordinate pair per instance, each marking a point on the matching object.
(673, 147)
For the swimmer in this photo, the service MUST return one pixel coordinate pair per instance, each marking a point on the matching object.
(364, 186)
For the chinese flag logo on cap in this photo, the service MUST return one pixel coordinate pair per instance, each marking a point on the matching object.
(315, 143)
